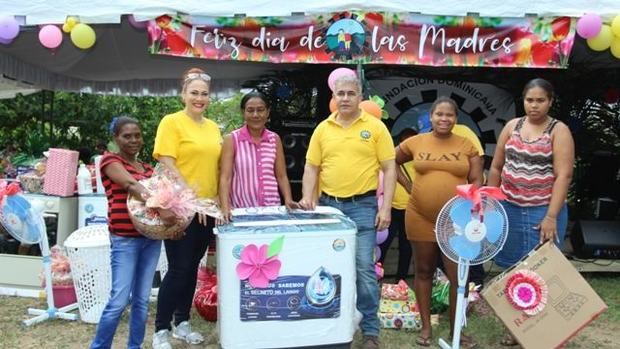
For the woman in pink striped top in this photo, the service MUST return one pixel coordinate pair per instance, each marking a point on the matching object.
(252, 166)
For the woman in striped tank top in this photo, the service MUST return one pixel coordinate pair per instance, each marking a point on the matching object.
(533, 166)
(252, 166)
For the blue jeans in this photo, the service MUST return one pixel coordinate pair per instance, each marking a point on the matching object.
(522, 236)
(363, 212)
(133, 266)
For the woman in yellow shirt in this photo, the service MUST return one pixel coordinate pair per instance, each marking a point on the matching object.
(189, 145)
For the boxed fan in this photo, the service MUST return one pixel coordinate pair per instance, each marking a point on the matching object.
(543, 300)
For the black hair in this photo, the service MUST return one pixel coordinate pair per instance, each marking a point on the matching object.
(444, 99)
(119, 121)
(542, 83)
(254, 94)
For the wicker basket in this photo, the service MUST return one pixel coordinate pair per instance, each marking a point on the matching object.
(31, 182)
(147, 222)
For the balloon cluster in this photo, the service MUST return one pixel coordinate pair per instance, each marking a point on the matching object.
(600, 36)
(9, 29)
(373, 106)
(82, 35)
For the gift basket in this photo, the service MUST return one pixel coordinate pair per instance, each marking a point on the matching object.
(165, 192)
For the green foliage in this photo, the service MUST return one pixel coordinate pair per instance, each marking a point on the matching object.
(80, 121)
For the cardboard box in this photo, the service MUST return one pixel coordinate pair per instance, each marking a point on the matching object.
(570, 303)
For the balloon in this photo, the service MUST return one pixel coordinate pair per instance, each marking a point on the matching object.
(615, 26)
(9, 28)
(382, 235)
(338, 73)
(588, 26)
(137, 24)
(83, 36)
(615, 47)
(603, 40)
(377, 253)
(50, 36)
(332, 105)
(69, 24)
(5, 41)
(371, 108)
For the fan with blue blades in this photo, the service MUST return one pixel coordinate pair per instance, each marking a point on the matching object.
(469, 233)
(24, 221)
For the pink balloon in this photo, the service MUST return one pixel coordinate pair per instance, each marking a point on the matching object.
(379, 270)
(377, 253)
(382, 235)
(338, 73)
(137, 24)
(9, 28)
(589, 25)
(50, 36)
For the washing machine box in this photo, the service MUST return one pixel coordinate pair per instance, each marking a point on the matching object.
(306, 262)
(92, 209)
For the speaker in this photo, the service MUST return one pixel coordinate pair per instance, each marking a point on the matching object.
(596, 239)
(295, 138)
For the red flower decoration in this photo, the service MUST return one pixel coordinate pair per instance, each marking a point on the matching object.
(527, 291)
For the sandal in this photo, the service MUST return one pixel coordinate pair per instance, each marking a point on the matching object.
(423, 341)
(508, 341)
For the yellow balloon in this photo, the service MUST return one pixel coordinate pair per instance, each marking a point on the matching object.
(602, 41)
(66, 28)
(615, 26)
(615, 47)
(83, 36)
(71, 21)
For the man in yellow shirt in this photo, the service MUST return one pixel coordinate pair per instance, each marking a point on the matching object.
(346, 152)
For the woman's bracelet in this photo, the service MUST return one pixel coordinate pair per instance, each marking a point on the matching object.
(549, 217)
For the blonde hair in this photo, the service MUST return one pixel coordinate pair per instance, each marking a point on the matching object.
(195, 74)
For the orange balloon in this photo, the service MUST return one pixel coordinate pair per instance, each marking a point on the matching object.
(371, 108)
(332, 105)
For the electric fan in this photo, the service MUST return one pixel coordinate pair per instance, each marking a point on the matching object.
(24, 221)
(469, 233)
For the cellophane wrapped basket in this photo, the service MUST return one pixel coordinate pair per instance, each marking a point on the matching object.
(166, 192)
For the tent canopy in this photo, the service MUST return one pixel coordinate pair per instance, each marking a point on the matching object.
(105, 11)
(119, 62)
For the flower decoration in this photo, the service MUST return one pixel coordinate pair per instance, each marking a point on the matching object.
(259, 265)
(527, 291)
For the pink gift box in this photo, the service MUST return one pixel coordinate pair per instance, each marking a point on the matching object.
(60, 172)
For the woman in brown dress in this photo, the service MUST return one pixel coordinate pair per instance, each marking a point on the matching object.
(442, 160)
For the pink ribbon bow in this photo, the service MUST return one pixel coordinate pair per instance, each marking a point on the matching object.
(473, 193)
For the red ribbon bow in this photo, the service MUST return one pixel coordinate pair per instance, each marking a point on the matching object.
(8, 189)
(473, 193)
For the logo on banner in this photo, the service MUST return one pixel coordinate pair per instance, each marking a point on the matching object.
(345, 38)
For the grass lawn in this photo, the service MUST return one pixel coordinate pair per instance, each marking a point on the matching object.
(601, 334)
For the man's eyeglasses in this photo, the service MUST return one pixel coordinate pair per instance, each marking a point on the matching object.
(194, 76)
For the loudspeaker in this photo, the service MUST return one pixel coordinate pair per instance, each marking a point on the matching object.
(596, 239)
(606, 209)
(295, 138)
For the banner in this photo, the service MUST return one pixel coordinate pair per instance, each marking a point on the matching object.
(369, 38)
(483, 108)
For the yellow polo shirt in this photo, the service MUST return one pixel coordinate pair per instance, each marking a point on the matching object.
(464, 131)
(196, 148)
(349, 158)
(401, 197)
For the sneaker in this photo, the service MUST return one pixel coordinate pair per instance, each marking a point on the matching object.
(370, 342)
(160, 340)
(184, 332)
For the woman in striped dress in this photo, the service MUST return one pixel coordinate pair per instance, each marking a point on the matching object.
(133, 256)
(252, 166)
(533, 166)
